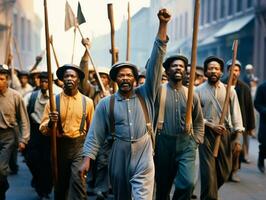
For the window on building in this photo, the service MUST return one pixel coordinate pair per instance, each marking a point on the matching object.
(29, 35)
(176, 28)
(239, 5)
(186, 23)
(209, 2)
(215, 9)
(22, 33)
(202, 13)
(250, 3)
(181, 26)
(230, 7)
(15, 25)
(222, 8)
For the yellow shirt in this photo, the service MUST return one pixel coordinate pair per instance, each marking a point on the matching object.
(70, 114)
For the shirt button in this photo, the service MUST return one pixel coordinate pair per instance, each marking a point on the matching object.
(131, 138)
(129, 110)
(130, 124)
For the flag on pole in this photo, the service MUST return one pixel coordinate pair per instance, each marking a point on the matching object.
(70, 19)
(80, 16)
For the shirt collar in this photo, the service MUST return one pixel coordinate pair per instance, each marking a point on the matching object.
(74, 97)
(119, 97)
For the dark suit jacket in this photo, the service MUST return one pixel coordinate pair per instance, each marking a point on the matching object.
(260, 105)
(245, 103)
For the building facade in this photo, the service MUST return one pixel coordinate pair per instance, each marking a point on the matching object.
(26, 31)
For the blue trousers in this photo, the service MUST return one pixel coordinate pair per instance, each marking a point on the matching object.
(174, 163)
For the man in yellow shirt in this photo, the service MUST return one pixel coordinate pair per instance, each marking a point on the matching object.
(73, 116)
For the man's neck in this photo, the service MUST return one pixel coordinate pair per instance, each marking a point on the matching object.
(214, 84)
(126, 95)
(71, 92)
(3, 91)
(176, 85)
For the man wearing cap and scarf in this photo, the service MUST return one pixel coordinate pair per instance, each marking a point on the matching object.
(175, 151)
(24, 87)
(247, 112)
(215, 171)
(126, 117)
(13, 114)
(37, 154)
(73, 117)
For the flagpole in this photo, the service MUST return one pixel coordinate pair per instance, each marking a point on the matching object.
(55, 56)
(51, 97)
(74, 44)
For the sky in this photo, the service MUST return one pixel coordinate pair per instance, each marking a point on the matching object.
(97, 23)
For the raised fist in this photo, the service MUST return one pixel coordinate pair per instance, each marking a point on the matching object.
(163, 15)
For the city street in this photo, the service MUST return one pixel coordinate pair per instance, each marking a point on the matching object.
(251, 187)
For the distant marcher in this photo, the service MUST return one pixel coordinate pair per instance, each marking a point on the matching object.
(13, 114)
(141, 78)
(38, 153)
(260, 105)
(247, 113)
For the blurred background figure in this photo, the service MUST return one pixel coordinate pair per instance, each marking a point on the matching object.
(141, 78)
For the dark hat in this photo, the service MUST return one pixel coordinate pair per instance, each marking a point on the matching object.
(199, 70)
(170, 59)
(213, 58)
(116, 67)
(23, 73)
(142, 74)
(4, 69)
(43, 75)
(61, 70)
(230, 62)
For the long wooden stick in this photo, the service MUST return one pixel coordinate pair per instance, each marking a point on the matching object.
(111, 19)
(193, 67)
(227, 98)
(51, 96)
(95, 69)
(18, 53)
(128, 32)
(55, 56)
(74, 44)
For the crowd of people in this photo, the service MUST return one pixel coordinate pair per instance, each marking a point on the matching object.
(133, 142)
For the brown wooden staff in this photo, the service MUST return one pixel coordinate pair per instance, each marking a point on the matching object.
(227, 99)
(193, 67)
(51, 96)
(55, 56)
(128, 32)
(111, 19)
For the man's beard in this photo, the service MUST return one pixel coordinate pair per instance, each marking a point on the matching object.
(212, 79)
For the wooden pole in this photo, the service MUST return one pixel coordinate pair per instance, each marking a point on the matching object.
(74, 44)
(227, 99)
(18, 53)
(128, 32)
(55, 56)
(193, 67)
(51, 96)
(111, 19)
(95, 69)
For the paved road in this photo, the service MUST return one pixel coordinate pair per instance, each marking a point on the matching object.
(251, 187)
